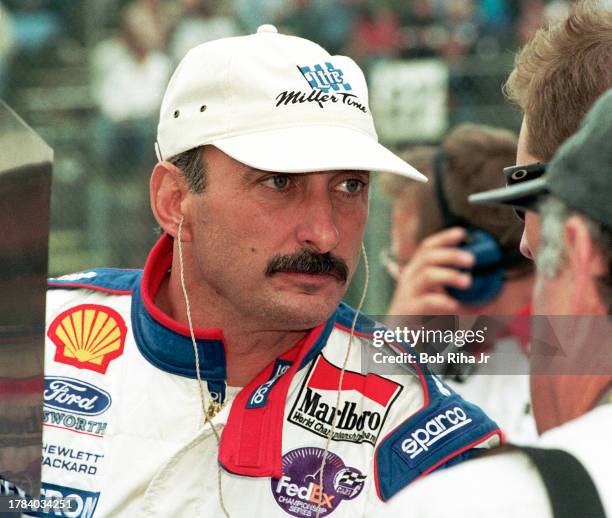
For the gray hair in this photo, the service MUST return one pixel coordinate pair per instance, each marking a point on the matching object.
(552, 255)
(192, 165)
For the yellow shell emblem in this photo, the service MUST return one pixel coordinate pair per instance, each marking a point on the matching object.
(88, 336)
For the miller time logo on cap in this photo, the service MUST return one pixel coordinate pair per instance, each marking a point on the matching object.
(328, 87)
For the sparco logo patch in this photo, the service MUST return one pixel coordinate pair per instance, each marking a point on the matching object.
(366, 400)
(449, 421)
(299, 492)
(88, 336)
(75, 396)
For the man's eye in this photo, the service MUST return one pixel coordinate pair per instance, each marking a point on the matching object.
(278, 182)
(351, 186)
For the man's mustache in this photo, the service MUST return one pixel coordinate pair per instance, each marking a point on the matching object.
(307, 261)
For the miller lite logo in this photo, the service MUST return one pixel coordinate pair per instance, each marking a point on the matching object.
(365, 403)
(88, 336)
(325, 78)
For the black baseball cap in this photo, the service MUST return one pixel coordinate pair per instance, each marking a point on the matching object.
(580, 172)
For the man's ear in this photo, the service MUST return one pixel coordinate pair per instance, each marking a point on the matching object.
(168, 190)
(585, 262)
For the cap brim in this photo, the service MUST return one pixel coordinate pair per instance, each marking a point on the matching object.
(523, 195)
(307, 149)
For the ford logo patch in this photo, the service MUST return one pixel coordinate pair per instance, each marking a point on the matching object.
(75, 396)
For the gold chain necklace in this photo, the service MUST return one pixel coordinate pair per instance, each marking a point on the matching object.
(213, 409)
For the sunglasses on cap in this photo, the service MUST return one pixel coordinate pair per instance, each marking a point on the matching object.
(523, 173)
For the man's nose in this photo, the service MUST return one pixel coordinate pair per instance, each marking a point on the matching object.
(317, 228)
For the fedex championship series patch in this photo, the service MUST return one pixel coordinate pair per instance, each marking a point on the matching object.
(365, 403)
(299, 493)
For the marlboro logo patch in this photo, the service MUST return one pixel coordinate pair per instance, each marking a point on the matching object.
(88, 336)
(365, 403)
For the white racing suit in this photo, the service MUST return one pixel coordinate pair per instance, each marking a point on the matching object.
(509, 485)
(123, 423)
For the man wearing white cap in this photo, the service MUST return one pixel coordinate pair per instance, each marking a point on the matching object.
(265, 145)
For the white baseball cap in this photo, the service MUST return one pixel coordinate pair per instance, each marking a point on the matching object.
(276, 103)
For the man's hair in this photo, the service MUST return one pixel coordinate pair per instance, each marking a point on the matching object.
(473, 158)
(405, 191)
(396, 186)
(560, 73)
(552, 254)
(193, 166)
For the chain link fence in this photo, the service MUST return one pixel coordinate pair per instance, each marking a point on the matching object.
(58, 73)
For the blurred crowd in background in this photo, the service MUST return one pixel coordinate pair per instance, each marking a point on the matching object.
(57, 30)
(88, 75)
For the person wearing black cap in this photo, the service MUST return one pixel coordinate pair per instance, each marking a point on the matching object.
(578, 182)
(567, 471)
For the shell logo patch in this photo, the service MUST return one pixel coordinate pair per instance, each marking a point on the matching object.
(88, 336)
